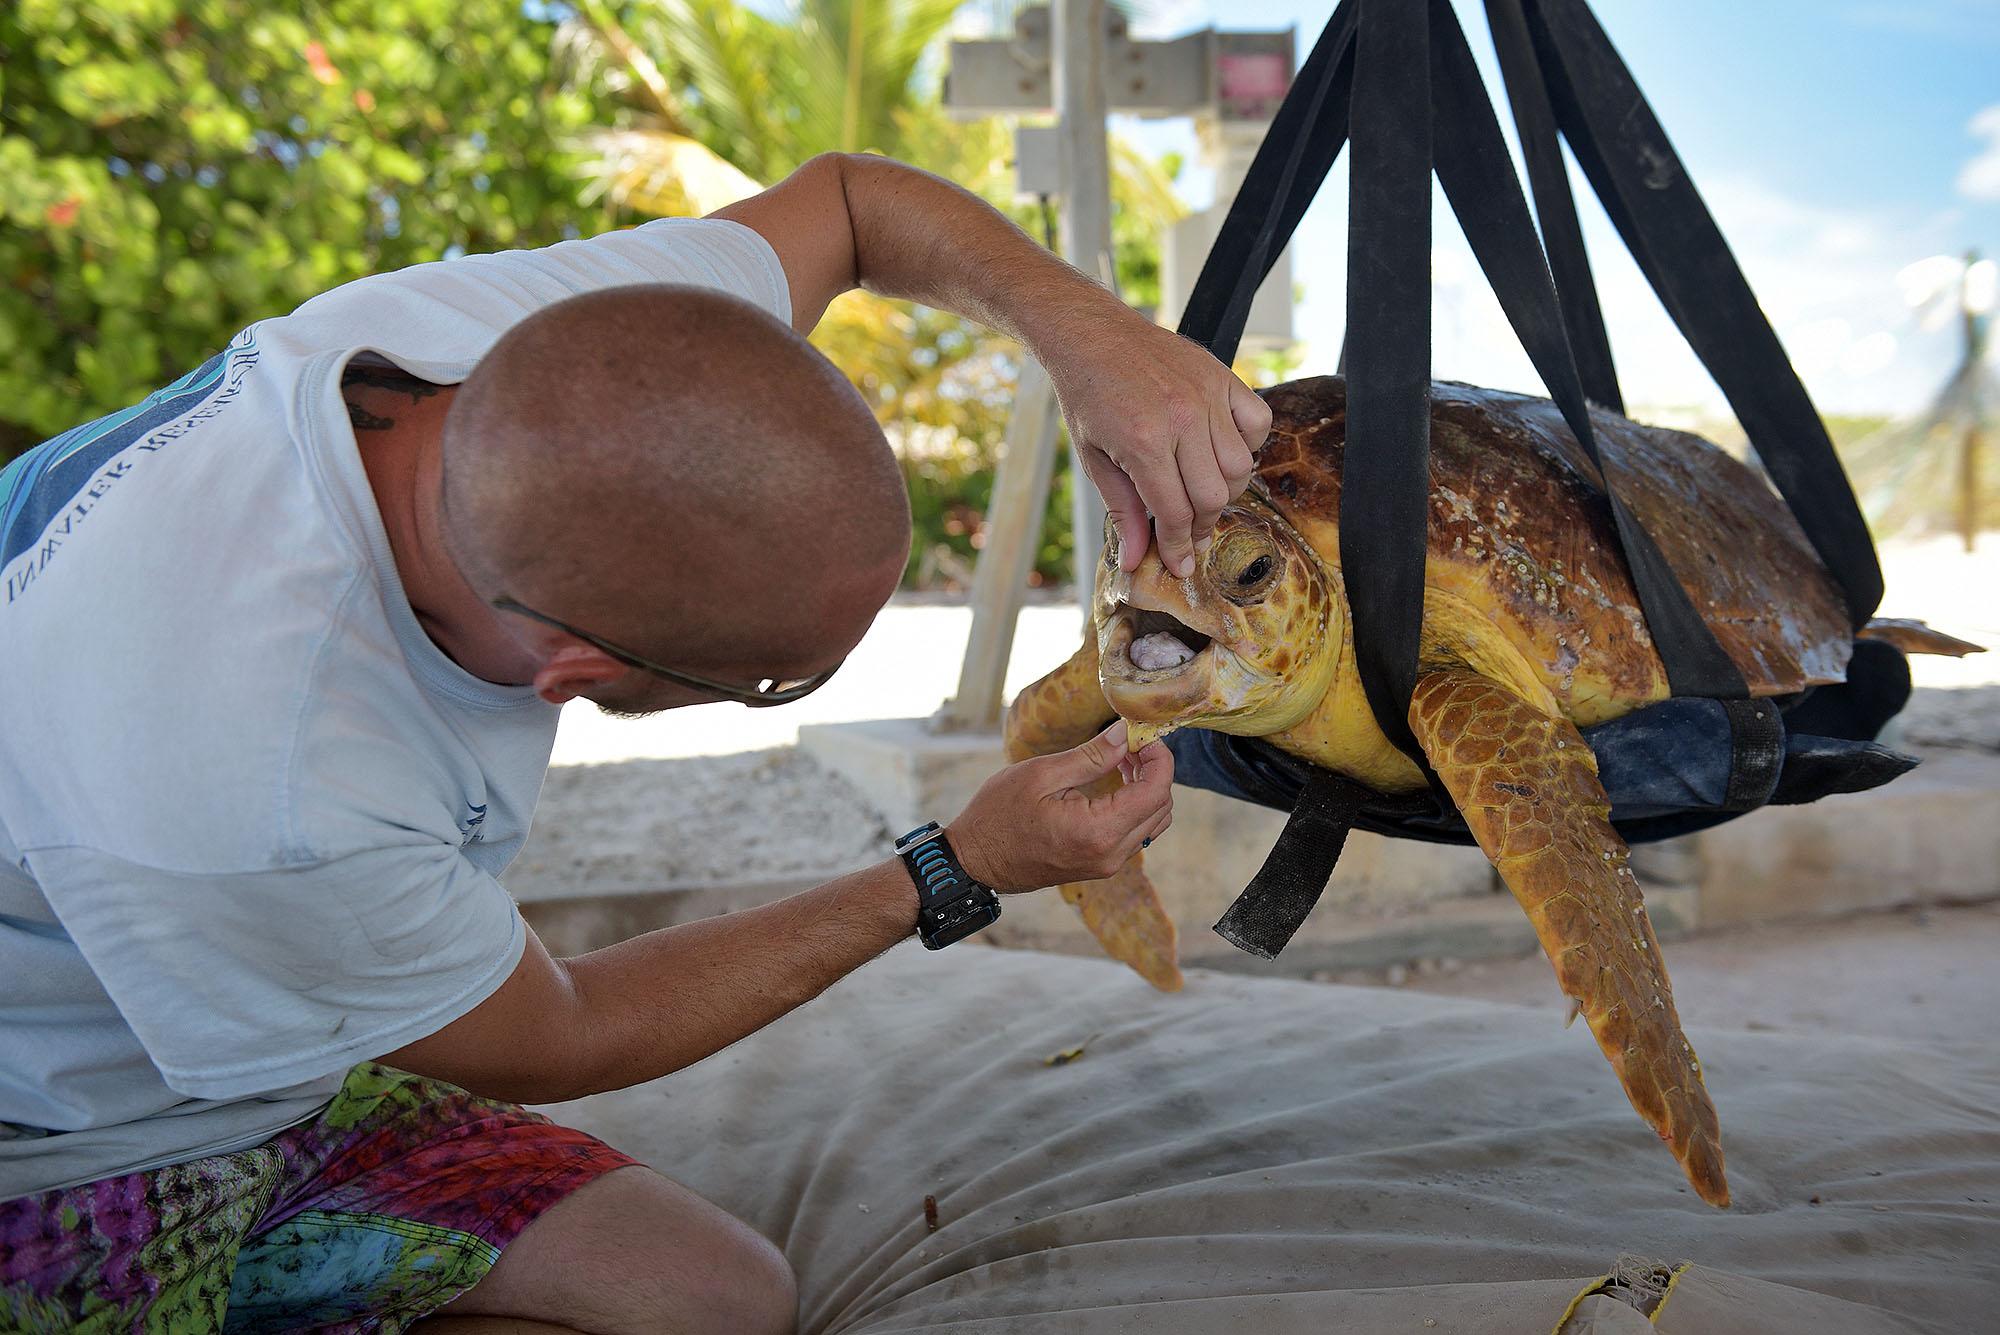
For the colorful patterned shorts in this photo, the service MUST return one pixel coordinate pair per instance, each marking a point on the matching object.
(393, 1200)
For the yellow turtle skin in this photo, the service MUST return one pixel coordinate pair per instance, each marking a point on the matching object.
(1532, 630)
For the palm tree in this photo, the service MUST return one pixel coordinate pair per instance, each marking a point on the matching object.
(1930, 472)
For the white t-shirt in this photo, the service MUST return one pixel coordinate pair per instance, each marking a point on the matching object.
(250, 815)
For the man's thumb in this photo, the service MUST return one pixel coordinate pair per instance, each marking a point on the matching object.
(1094, 759)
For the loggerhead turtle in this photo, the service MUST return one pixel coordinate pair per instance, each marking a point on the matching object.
(1531, 632)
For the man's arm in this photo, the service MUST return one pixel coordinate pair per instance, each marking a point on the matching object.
(1163, 428)
(561, 1029)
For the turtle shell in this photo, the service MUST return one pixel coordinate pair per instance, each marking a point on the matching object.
(1520, 529)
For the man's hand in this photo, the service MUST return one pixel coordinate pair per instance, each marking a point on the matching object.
(1162, 427)
(1043, 822)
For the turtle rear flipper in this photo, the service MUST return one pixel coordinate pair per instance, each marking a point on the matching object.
(1914, 637)
(1526, 783)
(1126, 916)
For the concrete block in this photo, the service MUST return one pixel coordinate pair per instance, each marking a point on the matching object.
(908, 772)
(1932, 835)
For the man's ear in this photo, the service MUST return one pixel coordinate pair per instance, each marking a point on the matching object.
(574, 669)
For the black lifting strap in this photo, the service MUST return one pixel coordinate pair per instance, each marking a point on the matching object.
(1385, 469)
(1660, 216)
(1562, 236)
(1274, 906)
(1485, 194)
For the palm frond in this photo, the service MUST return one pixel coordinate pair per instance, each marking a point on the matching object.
(1142, 186)
(645, 75)
(654, 170)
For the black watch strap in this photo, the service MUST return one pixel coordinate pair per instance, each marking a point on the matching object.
(950, 904)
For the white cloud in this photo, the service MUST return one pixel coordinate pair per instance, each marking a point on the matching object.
(1869, 354)
(1980, 177)
(1824, 275)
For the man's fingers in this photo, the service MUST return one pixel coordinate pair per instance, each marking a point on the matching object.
(1252, 415)
(1166, 496)
(1143, 835)
(1232, 454)
(1089, 762)
(1124, 504)
(1208, 490)
(1143, 796)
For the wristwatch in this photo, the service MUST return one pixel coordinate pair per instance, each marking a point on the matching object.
(950, 904)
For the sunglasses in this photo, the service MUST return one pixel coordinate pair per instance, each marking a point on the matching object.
(770, 691)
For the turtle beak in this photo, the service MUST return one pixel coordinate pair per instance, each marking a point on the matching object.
(1157, 644)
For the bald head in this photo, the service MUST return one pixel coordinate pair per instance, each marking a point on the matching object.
(676, 470)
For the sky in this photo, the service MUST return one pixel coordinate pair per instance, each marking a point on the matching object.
(1835, 141)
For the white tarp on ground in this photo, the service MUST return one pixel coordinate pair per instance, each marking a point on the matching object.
(1270, 1156)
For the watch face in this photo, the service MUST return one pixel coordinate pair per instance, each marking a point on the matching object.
(983, 913)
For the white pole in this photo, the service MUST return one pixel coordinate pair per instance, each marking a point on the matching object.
(1077, 42)
(1013, 532)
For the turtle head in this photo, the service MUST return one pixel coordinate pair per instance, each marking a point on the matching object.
(1246, 644)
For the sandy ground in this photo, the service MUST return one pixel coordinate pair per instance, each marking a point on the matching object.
(1916, 974)
(908, 663)
(772, 815)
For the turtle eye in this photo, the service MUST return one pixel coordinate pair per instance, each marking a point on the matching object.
(1244, 565)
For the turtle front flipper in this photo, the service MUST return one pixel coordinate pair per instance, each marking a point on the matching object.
(1526, 783)
(1065, 709)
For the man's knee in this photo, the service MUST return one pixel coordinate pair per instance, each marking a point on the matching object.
(745, 1284)
(698, 1268)
(634, 1253)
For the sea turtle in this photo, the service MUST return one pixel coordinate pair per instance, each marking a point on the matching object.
(1531, 632)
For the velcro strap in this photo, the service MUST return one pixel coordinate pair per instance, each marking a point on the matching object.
(1274, 905)
(1757, 753)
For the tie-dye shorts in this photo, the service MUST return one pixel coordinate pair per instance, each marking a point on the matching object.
(393, 1200)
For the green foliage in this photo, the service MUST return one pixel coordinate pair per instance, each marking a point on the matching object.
(949, 493)
(172, 170)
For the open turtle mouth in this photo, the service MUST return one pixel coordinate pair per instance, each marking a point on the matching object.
(1152, 645)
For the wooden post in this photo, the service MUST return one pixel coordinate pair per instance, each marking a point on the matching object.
(1013, 532)
(1077, 73)
(1968, 482)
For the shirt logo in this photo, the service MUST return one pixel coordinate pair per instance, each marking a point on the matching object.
(470, 824)
(48, 492)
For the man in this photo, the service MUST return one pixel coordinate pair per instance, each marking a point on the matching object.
(284, 646)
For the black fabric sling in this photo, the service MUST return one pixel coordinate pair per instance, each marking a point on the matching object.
(1399, 76)
(1274, 906)
(1385, 489)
